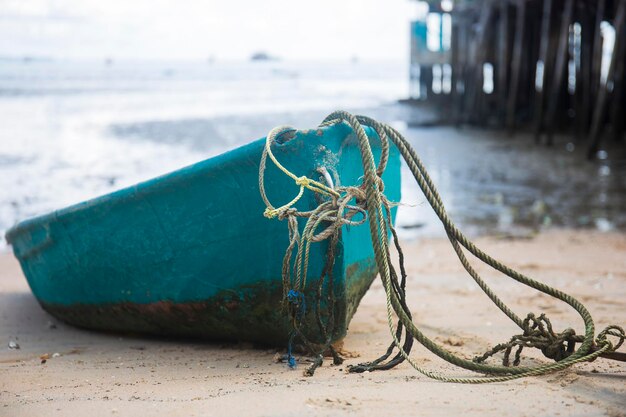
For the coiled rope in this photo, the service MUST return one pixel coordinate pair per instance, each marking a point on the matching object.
(337, 210)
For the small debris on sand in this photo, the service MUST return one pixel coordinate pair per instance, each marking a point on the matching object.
(453, 341)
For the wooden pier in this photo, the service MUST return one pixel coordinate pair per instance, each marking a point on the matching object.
(545, 66)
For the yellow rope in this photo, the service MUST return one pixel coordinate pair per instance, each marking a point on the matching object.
(303, 181)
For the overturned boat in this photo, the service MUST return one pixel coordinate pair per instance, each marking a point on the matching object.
(190, 253)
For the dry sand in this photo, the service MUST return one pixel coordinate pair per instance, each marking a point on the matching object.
(111, 375)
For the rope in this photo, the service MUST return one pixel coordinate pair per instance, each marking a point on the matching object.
(335, 211)
(324, 223)
(303, 182)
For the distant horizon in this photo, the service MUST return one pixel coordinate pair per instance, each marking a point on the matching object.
(198, 30)
(208, 59)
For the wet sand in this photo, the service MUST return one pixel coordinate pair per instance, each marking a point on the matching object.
(111, 375)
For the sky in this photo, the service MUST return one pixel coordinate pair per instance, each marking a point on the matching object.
(198, 29)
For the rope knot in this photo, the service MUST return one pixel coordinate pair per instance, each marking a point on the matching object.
(615, 331)
(297, 302)
(555, 351)
(538, 333)
(281, 212)
(294, 296)
(270, 213)
(303, 181)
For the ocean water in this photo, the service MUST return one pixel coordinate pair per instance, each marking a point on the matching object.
(74, 130)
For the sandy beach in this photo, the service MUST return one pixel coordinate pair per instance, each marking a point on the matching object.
(62, 371)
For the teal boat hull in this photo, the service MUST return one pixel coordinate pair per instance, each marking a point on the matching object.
(190, 253)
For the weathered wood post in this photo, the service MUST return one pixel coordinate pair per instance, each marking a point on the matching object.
(516, 64)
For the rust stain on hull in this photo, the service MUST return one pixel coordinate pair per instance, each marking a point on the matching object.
(251, 313)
